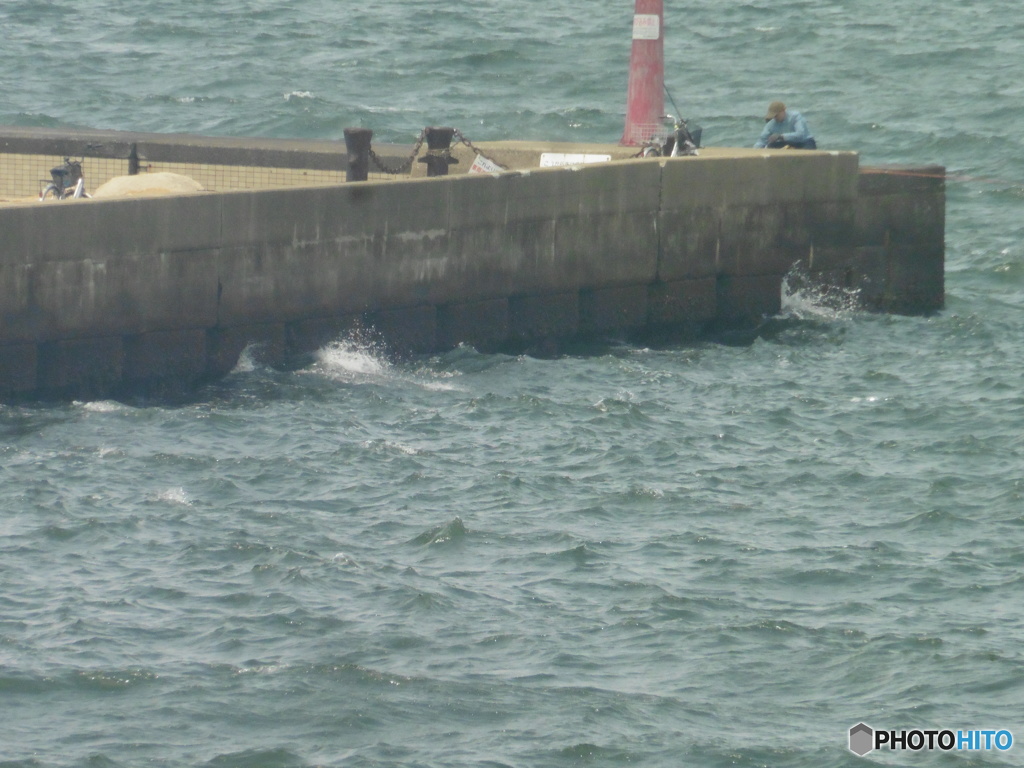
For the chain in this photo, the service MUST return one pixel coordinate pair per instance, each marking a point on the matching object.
(468, 143)
(404, 167)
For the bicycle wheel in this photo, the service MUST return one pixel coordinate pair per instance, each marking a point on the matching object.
(50, 192)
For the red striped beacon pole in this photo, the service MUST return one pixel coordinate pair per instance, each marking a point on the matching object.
(645, 100)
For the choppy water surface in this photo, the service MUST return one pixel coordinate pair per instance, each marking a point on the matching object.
(703, 555)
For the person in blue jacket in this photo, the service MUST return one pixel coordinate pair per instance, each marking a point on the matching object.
(785, 128)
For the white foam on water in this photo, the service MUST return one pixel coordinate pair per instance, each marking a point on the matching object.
(805, 298)
(174, 496)
(348, 358)
(261, 669)
(386, 445)
(246, 360)
(103, 406)
(356, 359)
(440, 383)
(342, 559)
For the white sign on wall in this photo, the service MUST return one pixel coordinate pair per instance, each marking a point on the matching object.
(556, 159)
(646, 26)
(484, 165)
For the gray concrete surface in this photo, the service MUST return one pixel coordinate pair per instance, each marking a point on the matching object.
(108, 297)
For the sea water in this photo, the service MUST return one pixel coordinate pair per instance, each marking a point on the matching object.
(688, 555)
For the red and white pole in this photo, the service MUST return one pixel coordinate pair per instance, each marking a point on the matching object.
(645, 101)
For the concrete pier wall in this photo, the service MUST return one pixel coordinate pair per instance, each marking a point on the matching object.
(108, 297)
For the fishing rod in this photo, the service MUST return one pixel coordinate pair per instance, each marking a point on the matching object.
(685, 142)
(679, 114)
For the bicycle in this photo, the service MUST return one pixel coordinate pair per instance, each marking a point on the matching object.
(68, 182)
(681, 142)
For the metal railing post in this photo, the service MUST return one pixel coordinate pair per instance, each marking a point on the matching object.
(439, 145)
(357, 141)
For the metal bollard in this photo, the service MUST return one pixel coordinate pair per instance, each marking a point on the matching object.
(357, 141)
(439, 148)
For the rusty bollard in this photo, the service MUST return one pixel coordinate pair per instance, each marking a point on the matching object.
(357, 141)
(439, 156)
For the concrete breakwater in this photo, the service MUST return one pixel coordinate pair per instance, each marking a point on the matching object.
(110, 297)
